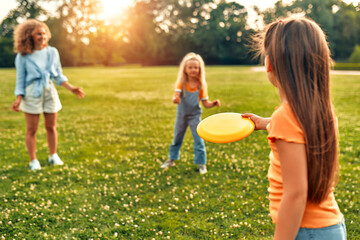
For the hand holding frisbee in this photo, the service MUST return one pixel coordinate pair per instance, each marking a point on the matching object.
(225, 127)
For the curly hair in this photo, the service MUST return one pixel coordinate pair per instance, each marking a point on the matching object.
(23, 36)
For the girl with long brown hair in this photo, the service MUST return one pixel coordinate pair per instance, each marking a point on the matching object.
(302, 132)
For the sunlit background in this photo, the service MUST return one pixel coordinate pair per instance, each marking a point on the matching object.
(114, 7)
(110, 7)
(160, 32)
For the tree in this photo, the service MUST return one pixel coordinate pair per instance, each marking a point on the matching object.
(346, 30)
(7, 55)
(216, 30)
(143, 41)
(77, 19)
(61, 40)
(106, 45)
(222, 38)
(355, 56)
(26, 9)
(340, 21)
(280, 10)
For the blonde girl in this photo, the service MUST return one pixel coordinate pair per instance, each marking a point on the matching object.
(190, 88)
(302, 132)
(36, 64)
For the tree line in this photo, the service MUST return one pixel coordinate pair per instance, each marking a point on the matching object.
(157, 32)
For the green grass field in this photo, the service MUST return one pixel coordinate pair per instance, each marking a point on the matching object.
(113, 142)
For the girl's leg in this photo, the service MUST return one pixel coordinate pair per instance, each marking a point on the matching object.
(51, 134)
(32, 122)
(179, 133)
(199, 145)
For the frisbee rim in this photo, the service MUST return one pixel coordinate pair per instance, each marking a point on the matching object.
(224, 139)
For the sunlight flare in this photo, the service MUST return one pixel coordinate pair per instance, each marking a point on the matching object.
(115, 7)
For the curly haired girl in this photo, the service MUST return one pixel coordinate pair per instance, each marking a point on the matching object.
(37, 64)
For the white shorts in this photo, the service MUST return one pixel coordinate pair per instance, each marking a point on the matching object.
(48, 102)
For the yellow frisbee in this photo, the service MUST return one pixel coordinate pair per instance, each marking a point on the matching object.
(225, 127)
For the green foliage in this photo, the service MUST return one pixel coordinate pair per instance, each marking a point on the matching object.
(346, 30)
(7, 55)
(158, 32)
(105, 49)
(346, 66)
(339, 21)
(26, 9)
(77, 20)
(320, 11)
(113, 142)
(355, 56)
(142, 41)
(280, 10)
(61, 42)
(223, 37)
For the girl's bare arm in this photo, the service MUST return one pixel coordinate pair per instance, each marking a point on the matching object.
(293, 202)
(210, 104)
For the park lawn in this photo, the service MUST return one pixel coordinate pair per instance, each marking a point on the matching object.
(114, 140)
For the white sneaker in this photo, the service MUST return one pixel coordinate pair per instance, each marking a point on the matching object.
(34, 165)
(168, 163)
(55, 160)
(202, 169)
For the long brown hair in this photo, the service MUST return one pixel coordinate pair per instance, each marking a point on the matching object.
(23, 35)
(300, 59)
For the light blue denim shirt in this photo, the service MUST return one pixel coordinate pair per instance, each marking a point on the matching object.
(28, 72)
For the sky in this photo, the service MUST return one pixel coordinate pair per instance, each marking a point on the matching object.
(7, 5)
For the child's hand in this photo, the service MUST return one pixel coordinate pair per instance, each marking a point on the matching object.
(216, 102)
(78, 92)
(16, 104)
(260, 123)
(209, 104)
(176, 99)
(75, 90)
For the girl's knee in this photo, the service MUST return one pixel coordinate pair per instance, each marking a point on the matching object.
(31, 131)
(50, 128)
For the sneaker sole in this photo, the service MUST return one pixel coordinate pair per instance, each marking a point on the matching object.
(52, 163)
(36, 169)
(167, 166)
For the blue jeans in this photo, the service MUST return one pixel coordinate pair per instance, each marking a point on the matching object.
(334, 232)
(181, 124)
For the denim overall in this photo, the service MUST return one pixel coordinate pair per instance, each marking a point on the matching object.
(188, 114)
